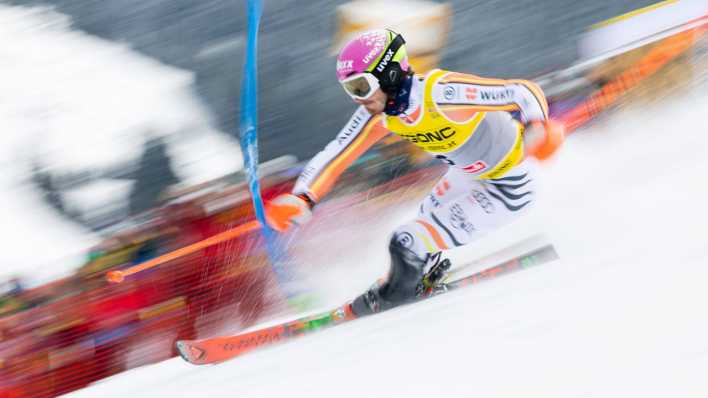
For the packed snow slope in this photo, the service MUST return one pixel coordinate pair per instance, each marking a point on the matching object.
(621, 314)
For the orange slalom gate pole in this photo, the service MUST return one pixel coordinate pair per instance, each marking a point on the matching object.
(118, 276)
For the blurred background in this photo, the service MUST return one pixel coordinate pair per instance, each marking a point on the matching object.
(120, 143)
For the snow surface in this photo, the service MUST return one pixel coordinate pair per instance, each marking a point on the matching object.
(621, 314)
(77, 104)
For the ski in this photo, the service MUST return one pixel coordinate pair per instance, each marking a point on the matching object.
(538, 256)
(219, 349)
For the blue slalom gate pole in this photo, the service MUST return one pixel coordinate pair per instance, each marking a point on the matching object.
(249, 142)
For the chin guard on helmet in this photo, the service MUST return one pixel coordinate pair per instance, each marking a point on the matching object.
(389, 72)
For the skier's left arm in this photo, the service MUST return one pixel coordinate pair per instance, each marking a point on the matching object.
(542, 136)
(487, 94)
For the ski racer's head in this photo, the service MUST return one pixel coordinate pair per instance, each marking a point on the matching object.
(372, 66)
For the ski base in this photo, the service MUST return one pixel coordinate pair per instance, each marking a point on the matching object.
(219, 349)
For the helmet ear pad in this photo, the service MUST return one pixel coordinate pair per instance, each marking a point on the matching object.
(391, 77)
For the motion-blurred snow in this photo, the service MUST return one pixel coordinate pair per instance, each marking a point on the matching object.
(81, 110)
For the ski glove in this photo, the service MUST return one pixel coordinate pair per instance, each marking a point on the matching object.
(542, 139)
(288, 209)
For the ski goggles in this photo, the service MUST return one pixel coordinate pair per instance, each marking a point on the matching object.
(361, 85)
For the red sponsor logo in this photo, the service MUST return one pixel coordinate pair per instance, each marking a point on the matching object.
(442, 187)
(475, 167)
(471, 93)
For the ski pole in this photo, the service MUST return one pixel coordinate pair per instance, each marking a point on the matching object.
(118, 276)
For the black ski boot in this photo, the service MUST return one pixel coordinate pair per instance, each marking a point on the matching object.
(401, 286)
(433, 281)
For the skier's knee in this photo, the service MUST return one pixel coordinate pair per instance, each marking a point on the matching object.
(404, 237)
(406, 270)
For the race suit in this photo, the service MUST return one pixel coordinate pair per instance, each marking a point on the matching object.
(465, 121)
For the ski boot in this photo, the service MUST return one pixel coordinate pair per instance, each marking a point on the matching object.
(399, 288)
(433, 281)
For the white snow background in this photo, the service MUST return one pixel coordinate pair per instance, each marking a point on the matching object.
(75, 103)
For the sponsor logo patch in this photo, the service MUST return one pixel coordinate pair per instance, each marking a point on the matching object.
(196, 352)
(458, 219)
(384, 62)
(436, 203)
(350, 130)
(346, 64)
(376, 42)
(442, 187)
(503, 94)
(483, 201)
(449, 93)
(430, 136)
(405, 239)
(475, 167)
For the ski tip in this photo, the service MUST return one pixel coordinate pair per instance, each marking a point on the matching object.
(181, 349)
(190, 353)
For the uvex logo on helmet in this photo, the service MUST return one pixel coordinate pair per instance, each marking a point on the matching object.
(384, 62)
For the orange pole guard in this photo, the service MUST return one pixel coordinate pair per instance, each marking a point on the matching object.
(118, 276)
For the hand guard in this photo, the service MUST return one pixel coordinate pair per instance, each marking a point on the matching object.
(541, 140)
(286, 210)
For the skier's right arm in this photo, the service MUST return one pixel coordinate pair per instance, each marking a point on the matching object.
(319, 175)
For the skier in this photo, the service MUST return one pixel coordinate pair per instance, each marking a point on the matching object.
(463, 120)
